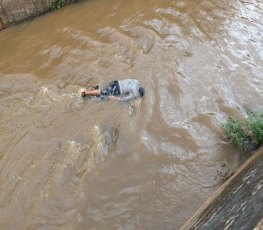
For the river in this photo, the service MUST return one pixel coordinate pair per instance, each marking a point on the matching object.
(68, 163)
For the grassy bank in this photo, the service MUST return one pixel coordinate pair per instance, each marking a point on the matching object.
(247, 134)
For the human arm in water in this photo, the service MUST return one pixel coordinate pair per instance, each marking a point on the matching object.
(134, 104)
(114, 98)
(93, 92)
(127, 97)
(97, 92)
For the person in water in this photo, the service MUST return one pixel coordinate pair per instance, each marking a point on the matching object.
(121, 90)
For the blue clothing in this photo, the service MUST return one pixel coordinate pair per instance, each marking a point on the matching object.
(127, 89)
(113, 89)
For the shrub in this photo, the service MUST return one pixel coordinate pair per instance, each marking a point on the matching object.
(57, 4)
(234, 131)
(255, 125)
(247, 134)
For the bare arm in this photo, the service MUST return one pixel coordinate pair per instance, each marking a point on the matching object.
(127, 97)
(93, 92)
(114, 98)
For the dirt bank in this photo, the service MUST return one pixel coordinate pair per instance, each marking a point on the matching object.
(15, 11)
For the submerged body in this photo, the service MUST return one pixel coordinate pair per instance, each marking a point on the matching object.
(121, 90)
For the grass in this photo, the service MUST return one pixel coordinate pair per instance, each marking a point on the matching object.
(57, 4)
(246, 134)
(234, 131)
(255, 124)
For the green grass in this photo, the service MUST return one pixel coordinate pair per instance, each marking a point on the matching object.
(234, 131)
(245, 133)
(57, 4)
(255, 125)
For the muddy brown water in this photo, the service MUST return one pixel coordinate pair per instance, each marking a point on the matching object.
(66, 163)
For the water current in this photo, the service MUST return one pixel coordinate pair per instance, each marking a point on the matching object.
(66, 163)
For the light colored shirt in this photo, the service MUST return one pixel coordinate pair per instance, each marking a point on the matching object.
(129, 89)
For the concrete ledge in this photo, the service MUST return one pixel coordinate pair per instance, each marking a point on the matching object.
(259, 226)
(237, 204)
(15, 11)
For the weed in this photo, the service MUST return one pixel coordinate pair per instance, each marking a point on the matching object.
(255, 125)
(247, 134)
(57, 4)
(234, 131)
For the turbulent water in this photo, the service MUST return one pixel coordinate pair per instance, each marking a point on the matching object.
(66, 163)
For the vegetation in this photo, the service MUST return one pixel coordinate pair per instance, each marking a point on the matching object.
(57, 4)
(234, 131)
(246, 134)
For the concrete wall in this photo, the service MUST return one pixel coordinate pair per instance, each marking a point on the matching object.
(237, 204)
(14, 11)
(259, 226)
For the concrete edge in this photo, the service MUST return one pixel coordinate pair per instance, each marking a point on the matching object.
(259, 226)
(10, 16)
(243, 168)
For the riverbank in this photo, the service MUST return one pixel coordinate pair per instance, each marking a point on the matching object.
(237, 204)
(15, 11)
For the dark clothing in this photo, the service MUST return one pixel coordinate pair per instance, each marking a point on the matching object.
(127, 89)
(113, 89)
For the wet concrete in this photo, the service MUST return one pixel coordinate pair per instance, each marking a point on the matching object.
(259, 226)
(14, 11)
(238, 204)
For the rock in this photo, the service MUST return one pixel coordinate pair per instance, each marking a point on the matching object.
(15, 11)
